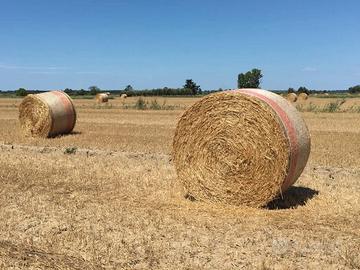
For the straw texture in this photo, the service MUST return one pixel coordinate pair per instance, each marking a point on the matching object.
(303, 96)
(102, 98)
(241, 147)
(47, 115)
(292, 97)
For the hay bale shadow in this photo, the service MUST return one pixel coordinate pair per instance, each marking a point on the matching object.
(72, 133)
(293, 198)
(75, 133)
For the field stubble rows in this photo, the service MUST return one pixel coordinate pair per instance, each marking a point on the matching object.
(115, 202)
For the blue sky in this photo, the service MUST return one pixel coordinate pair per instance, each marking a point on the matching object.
(57, 44)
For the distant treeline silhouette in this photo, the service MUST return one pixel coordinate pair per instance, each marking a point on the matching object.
(166, 91)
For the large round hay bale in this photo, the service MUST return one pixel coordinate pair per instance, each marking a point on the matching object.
(102, 98)
(47, 114)
(241, 147)
(292, 97)
(303, 96)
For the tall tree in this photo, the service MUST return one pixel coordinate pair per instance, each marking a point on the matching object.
(291, 90)
(354, 89)
(21, 92)
(250, 79)
(303, 89)
(192, 86)
(128, 88)
(94, 90)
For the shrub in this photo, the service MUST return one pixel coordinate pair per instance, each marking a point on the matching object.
(140, 104)
(355, 89)
(70, 150)
(155, 105)
(291, 90)
(21, 92)
(333, 106)
(303, 89)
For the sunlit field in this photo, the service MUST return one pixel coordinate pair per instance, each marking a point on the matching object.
(106, 196)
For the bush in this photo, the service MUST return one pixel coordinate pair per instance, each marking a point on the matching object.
(70, 150)
(291, 90)
(155, 105)
(94, 90)
(140, 104)
(355, 89)
(303, 89)
(21, 92)
(333, 106)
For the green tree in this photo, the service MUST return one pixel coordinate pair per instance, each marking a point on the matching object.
(21, 92)
(81, 92)
(303, 89)
(250, 79)
(192, 86)
(128, 88)
(354, 89)
(68, 91)
(291, 90)
(94, 90)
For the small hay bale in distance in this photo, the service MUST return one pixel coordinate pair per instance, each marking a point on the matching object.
(303, 96)
(102, 98)
(292, 97)
(123, 96)
(47, 114)
(240, 147)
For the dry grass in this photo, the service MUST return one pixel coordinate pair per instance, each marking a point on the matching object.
(114, 203)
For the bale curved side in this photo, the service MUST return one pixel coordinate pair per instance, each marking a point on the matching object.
(47, 114)
(240, 147)
(295, 128)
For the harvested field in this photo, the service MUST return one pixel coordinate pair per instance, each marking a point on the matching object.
(106, 197)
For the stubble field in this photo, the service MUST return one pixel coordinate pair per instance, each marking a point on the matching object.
(106, 197)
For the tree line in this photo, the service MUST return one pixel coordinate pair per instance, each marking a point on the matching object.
(249, 79)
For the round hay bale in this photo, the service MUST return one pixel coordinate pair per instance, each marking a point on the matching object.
(47, 114)
(303, 96)
(241, 147)
(123, 96)
(102, 98)
(292, 97)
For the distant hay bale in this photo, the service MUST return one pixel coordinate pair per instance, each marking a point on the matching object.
(102, 98)
(241, 147)
(47, 114)
(303, 96)
(123, 96)
(292, 97)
